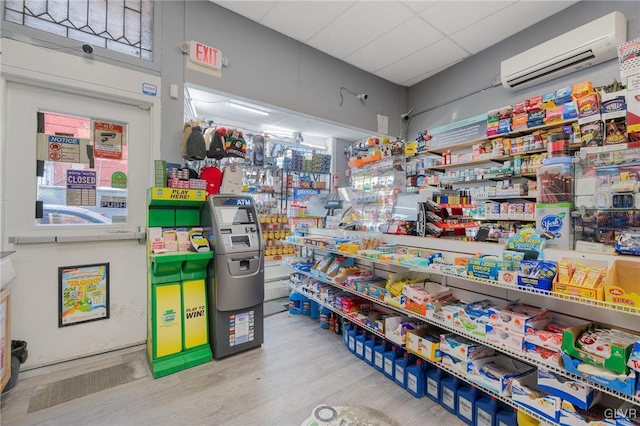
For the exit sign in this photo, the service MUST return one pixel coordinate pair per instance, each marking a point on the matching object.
(204, 55)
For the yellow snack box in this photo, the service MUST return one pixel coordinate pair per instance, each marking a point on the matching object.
(592, 278)
(564, 272)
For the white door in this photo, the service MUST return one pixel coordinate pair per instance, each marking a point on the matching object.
(36, 302)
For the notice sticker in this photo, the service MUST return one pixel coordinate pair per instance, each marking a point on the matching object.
(81, 188)
(107, 139)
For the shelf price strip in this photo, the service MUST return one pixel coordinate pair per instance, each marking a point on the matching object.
(457, 374)
(517, 355)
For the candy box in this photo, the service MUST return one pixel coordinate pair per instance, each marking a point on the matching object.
(599, 345)
(495, 373)
(454, 363)
(485, 268)
(505, 339)
(463, 349)
(515, 316)
(523, 391)
(547, 334)
(425, 342)
(422, 293)
(622, 383)
(397, 327)
(542, 355)
(563, 95)
(579, 394)
(578, 291)
(622, 285)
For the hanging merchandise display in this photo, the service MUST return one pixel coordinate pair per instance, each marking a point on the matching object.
(231, 180)
(235, 145)
(258, 149)
(216, 149)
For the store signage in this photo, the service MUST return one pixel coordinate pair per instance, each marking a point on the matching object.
(81, 187)
(204, 55)
(61, 149)
(107, 139)
(118, 180)
(461, 131)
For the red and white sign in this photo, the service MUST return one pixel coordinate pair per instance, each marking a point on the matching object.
(107, 140)
(204, 55)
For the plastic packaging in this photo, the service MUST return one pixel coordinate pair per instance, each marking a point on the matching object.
(486, 409)
(466, 402)
(507, 417)
(389, 361)
(360, 339)
(369, 344)
(324, 318)
(400, 366)
(558, 145)
(448, 394)
(416, 376)
(295, 302)
(378, 355)
(432, 386)
(555, 181)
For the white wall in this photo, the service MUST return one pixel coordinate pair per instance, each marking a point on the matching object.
(478, 71)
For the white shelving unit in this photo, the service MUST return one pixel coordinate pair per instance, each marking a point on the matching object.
(632, 316)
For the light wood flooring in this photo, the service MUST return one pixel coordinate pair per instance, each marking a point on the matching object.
(299, 367)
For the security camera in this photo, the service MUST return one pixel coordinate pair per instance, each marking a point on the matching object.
(363, 96)
(87, 48)
(405, 116)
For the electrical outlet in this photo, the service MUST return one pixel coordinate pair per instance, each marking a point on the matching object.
(496, 81)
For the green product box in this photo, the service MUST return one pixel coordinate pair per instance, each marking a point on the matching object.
(484, 268)
(612, 347)
(160, 173)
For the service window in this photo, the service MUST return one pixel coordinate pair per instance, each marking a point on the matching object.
(82, 170)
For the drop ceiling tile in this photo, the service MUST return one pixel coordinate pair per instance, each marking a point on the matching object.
(358, 26)
(253, 10)
(506, 23)
(419, 6)
(452, 16)
(421, 77)
(403, 40)
(302, 19)
(430, 58)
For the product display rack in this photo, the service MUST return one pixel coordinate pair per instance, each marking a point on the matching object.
(439, 322)
(452, 372)
(177, 325)
(597, 218)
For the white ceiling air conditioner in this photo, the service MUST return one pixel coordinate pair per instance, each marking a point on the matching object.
(580, 48)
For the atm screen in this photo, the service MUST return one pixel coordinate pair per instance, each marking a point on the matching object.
(234, 215)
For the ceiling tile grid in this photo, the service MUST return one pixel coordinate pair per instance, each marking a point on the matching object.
(404, 42)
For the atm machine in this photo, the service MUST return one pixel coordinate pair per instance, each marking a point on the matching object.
(235, 277)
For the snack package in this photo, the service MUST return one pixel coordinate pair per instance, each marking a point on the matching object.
(505, 113)
(564, 272)
(548, 100)
(563, 95)
(628, 243)
(536, 118)
(588, 105)
(570, 111)
(534, 104)
(579, 275)
(592, 133)
(520, 108)
(615, 131)
(593, 278)
(542, 269)
(554, 114)
(504, 126)
(581, 89)
(598, 341)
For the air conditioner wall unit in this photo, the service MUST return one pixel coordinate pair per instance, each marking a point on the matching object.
(575, 50)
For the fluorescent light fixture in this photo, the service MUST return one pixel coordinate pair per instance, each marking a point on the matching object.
(279, 130)
(313, 146)
(248, 108)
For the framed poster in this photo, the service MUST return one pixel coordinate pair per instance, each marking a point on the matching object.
(83, 293)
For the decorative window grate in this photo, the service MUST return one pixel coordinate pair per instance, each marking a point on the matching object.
(124, 26)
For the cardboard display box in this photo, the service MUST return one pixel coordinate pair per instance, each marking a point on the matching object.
(425, 342)
(506, 339)
(498, 385)
(577, 393)
(612, 344)
(622, 285)
(463, 349)
(623, 384)
(397, 327)
(523, 391)
(515, 316)
(577, 291)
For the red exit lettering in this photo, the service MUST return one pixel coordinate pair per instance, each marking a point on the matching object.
(205, 55)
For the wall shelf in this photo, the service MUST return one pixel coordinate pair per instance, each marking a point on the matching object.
(438, 321)
(506, 400)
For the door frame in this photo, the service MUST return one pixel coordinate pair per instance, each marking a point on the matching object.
(39, 67)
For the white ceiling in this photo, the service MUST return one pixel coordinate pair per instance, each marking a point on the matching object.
(404, 42)
(215, 106)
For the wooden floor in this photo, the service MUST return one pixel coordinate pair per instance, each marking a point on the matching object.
(299, 367)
